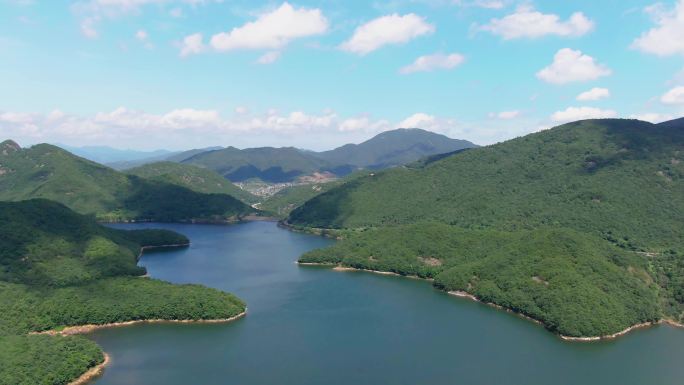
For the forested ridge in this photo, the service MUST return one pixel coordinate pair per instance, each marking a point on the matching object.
(59, 268)
(616, 185)
(49, 172)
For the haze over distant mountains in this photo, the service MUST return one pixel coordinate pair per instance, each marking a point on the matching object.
(273, 165)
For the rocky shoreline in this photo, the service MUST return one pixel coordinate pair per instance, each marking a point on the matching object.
(466, 295)
(84, 329)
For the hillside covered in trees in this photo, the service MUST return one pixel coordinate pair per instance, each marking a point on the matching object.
(59, 268)
(201, 180)
(46, 171)
(615, 184)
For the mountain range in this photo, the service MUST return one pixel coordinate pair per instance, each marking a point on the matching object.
(286, 164)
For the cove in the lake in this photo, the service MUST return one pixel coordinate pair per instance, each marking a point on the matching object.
(308, 325)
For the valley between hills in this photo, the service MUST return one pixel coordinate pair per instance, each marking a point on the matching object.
(578, 227)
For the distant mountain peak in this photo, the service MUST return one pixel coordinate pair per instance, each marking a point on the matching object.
(9, 146)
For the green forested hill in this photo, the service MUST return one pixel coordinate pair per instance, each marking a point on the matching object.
(195, 178)
(46, 171)
(394, 148)
(619, 179)
(59, 268)
(620, 182)
(266, 163)
(275, 165)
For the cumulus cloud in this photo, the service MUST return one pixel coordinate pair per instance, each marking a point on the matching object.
(505, 115)
(433, 62)
(269, 57)
(389, 29)
(428, 122)
(572, 66)
(579, 113)
(593, 94)
(526, 22)
(273, 30)
(487, 4)
(141, 35)
(652, 117)
(674, 96)
(184, 124)
(192, 44)
(364, 124)
(93, 12)
(667, 38)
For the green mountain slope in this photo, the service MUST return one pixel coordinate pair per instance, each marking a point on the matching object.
(617, 181)
(587, 175)
(266, 163)
(277, 165)
(59, 268)
(46, 171)
(195, 178)
(578, 285)
(394, 148)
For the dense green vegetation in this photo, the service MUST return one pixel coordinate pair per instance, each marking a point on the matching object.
(620, 182)
(45, 171)
(195, 178)
(268, 164)
(275, 165)
(394, 148)
(577, 285)
(59, 268)
(45, 360)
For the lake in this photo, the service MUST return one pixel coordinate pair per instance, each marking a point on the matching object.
(310, 325)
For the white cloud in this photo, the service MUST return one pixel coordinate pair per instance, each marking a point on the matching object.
(364, 124)
(595, 93)
(668, 37)
(389, 29)
(488, 4)
(428, 122)
(92, 12)
(433, 62)
(269, 57)
(674, 96)
(571, 114)
(506, 115)
(652, 117)
(526, 22)
(88, 27)
(273, 30)
(572, 66)
(192, 44)
(141, 35)
(176, 12)
(417, 120)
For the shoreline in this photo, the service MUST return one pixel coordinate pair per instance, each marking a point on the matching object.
(326, 233)
(346, 268)
(93, 372)
(176, 245)
(466, 295)
(89, 328)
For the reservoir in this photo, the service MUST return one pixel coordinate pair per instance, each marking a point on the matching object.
(311, 325)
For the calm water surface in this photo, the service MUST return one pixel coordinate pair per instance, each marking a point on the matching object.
(308, 325)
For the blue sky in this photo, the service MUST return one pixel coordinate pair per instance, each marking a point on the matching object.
(317, 74)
